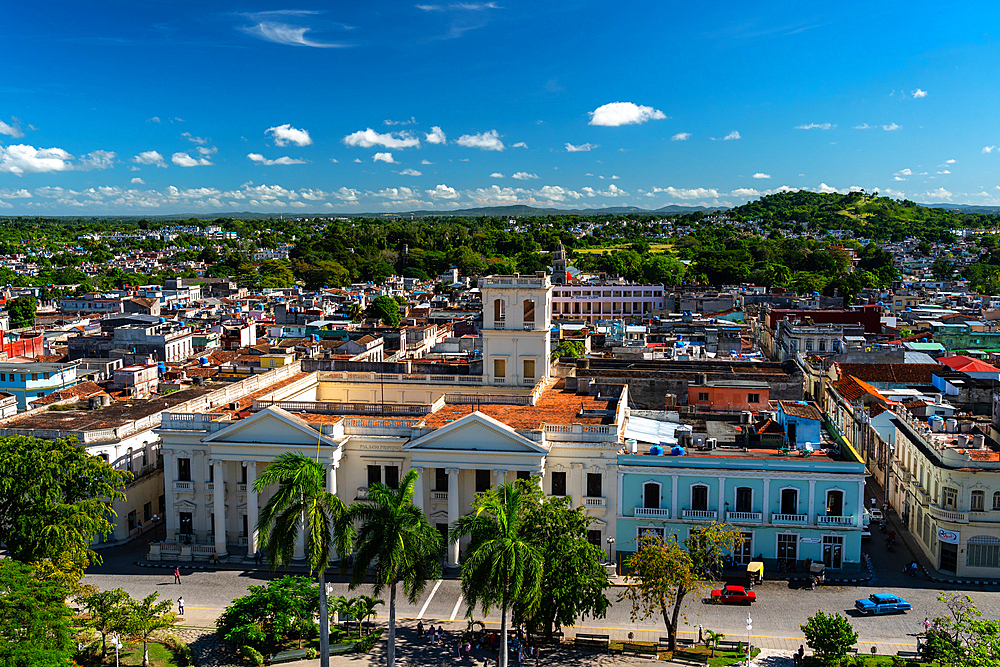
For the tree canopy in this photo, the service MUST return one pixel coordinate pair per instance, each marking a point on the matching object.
(34, 619)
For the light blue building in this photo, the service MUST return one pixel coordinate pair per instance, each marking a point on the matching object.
(789, 507)
(32, 381)
(802, 421)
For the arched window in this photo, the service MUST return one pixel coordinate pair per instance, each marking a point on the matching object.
(983, 551)
(744, 499)
(499, 312)
(835, 503)
(651, 495)
(996, 500)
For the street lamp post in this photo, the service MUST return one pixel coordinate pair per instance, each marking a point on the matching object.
(611, 544)
(117, 644)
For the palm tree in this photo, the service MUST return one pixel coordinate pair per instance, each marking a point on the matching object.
(712, 639)
(366, 607)
(147, 616)
(500, 565)
(396, 541)
(107, 611)
(302, 502)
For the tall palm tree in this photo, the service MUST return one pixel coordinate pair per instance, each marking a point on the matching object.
(146, 617)
(500, 566)
(302, 503)
(397, 543)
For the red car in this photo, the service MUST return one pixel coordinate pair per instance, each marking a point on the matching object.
(734, 595)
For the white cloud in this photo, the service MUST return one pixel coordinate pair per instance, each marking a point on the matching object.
(623, 113)
(442, 192)
(898, 178)
(732, 136)
(523, 176)
(151, 158)
(570, 148)
(952, 161)
(891, 127)
(816, 126)
(15, 194)
(681, 136)
(190, 137)
(745, 193)
(823, 187)
(207, 150)
(11, 130)
(684, 193)
(988, 149)
(940, 193)
(496, 174)
(557, 193)
(497, 195)
(384, 157)
(347, 194)
(426, 162)
(312, 195)
(260, 159)
(435, 136)
(357, 160)
(487, 141)
(137, 181)
(154, 119)
(98, 160)
(944, 171)
(286, 134)
(411, 172)
(919, 93)
(397, 194)
(270, 26)
(21, 159)
(520, 144)
(863, 126)
(612, 191)
(761, 174)
(368, 138)
(185, 160)
(412, 121)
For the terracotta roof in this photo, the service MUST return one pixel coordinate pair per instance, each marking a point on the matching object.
(902, 373)
(556, 405)
(78, 391)
(803, 409)
(771, 427)
(247, 401)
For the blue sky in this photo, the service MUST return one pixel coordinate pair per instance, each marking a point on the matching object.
(153, 107)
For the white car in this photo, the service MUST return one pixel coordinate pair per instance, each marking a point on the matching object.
(875, 515)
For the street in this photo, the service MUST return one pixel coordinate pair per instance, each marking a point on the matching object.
(781, 607)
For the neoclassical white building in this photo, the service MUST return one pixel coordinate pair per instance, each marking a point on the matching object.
(463, 434)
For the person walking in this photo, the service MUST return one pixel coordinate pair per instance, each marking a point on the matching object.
(180, 605)
(177, 575)
(420, 629)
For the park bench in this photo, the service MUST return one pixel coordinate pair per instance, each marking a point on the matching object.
(592, 641)
(701, 658)
(288, 656)
(681, 641)
(640, 649)
(909, 655)
(557, 638)
(853, 650)
(730, 646)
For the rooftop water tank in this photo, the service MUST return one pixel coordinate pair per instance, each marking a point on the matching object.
(656, 450)
(677, 450)
(631, 445)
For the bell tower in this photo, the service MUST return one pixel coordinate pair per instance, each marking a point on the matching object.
(559, 265)
(517, 317)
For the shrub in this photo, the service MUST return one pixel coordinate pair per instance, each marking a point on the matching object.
(366, 643)
(180, 649)
(829, 635)
(252, 655)
(311, 653)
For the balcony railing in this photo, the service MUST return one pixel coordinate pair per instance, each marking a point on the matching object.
(777, 517)
(825, 520)
(594, 501)
(700, 515)
(499, 324)
(745, 517)
(652, 512)
(439, 495)
(184, 486)
(949, 515)
(241, 488)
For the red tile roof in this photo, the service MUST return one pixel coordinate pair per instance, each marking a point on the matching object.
(968, 364)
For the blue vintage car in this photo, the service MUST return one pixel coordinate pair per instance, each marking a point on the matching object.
(882, 603)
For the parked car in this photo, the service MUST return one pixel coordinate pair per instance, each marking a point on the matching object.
(875, 515)
(882, 603)
(734, 595)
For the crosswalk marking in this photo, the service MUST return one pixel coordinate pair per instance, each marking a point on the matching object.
(457, 605)
(429, 598)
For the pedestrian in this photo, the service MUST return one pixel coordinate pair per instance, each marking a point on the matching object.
(180, 605)
(215, 559)
(257, 558)
(177, 575)
(801, 653)
(138, 526)
(927, 624)
(885, 508)
(873, 502)
(420, 629)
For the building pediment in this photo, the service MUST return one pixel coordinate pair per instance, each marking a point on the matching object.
(476, 432)
(271, 426)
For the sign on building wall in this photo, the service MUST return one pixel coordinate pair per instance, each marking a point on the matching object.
(949, 536)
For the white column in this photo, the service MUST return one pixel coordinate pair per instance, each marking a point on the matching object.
(499, 477)
(331, 477)
(452, 514)
(675, 511)
(252, 510)
(860, 511)
(812, 501)
(722, 498)
(576, 484)
(170, 466)
(219, 495)
(765, 503)
(540, 479)
(418, 489)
